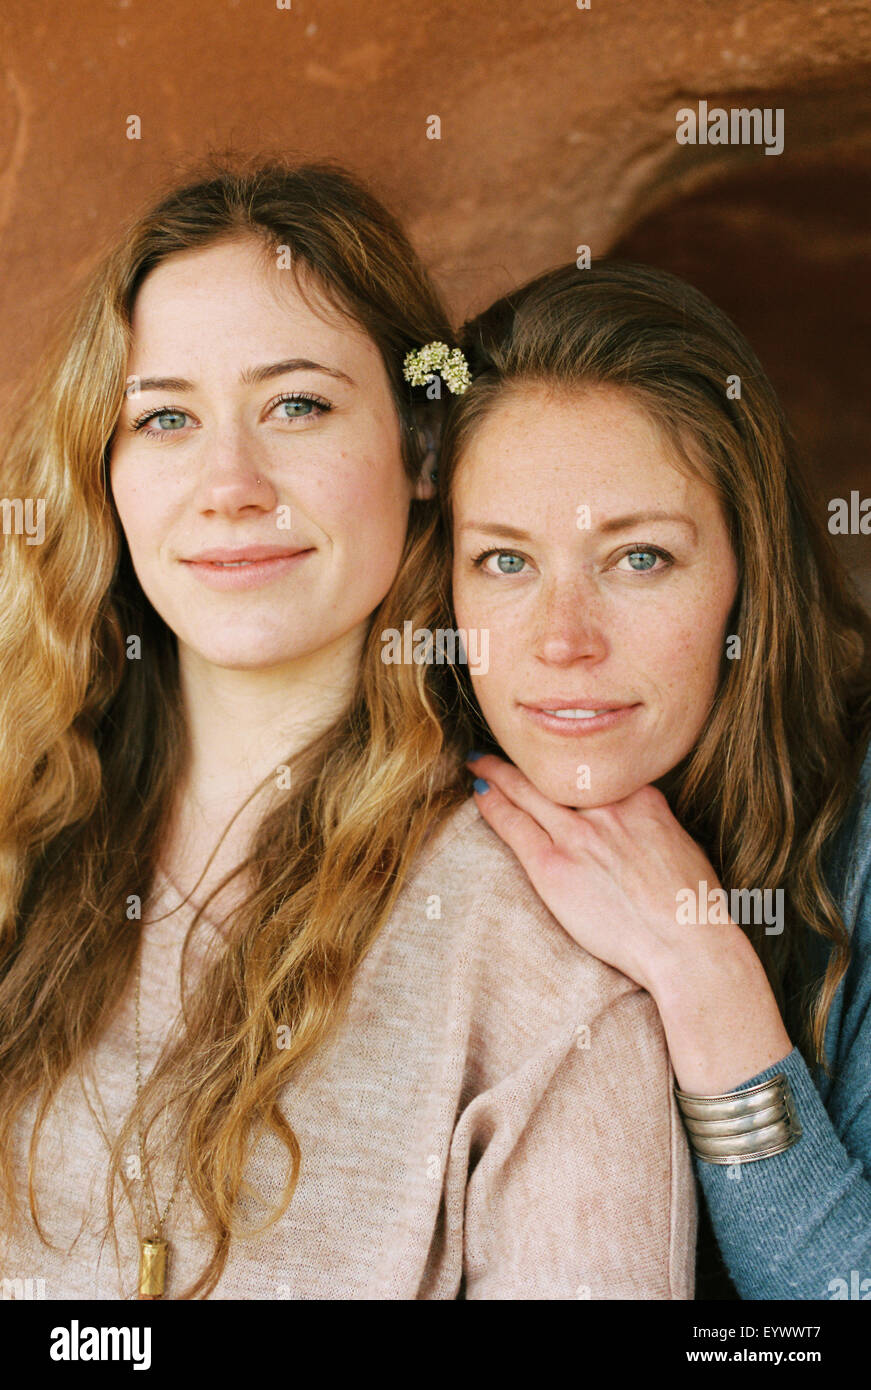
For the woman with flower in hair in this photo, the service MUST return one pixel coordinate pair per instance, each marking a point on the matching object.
(280, 1016)
(676, 718)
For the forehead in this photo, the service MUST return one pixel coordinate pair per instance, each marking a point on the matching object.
(230, 300)
(542, 442)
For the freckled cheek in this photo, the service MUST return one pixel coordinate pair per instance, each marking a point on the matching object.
(373, 536)
(685, 669)
(146, 524)
(472, 615)
(360, 495)
(497, 688)
(704, 636)
(464, 610)
(142, 487)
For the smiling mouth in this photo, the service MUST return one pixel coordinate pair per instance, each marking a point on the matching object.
(247, 571)
(574, 713)
(578, 719)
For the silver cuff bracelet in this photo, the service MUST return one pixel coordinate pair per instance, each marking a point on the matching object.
(741, 1126)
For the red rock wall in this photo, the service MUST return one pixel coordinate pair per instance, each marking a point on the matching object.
(557, 128)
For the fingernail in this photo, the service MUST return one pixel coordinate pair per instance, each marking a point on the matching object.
(481, 786)
(473, 756)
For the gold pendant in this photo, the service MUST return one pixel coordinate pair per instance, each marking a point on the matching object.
(152, 1267)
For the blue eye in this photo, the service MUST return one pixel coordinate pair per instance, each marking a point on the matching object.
(508, 563)
(296, 405)
(507, 560)
(643, 560)
(176, 420)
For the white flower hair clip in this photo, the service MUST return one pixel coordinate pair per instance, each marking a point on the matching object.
(450, 364)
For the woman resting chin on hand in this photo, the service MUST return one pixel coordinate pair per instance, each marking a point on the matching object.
(680, 676)
(614, 877)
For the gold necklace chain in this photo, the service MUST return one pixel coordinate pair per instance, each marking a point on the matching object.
(154, 1250)
(158, 1220)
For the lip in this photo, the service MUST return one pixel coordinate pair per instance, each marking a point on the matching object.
(610, 716)
(243, 552)
(265, 562)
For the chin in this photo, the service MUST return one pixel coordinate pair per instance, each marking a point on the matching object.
(244, 655)
(561, 787)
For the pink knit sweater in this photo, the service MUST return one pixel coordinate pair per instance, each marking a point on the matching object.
(493, 1119)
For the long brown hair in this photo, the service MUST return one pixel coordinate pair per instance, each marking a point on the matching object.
(91, 743)
(773, 771)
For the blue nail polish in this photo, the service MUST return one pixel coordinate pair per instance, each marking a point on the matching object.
(473, 756)
(481, 785)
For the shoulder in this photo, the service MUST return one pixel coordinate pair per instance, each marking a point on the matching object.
(533, 1014)
(491, 914)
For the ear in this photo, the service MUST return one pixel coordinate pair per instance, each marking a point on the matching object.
(427, 425)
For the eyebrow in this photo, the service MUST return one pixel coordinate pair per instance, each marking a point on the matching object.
(251, 376)
(616, 523)
(622, 523)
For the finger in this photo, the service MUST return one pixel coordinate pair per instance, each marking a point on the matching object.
(558, 821)
(644, 813)
(646, 803)
(516, 827)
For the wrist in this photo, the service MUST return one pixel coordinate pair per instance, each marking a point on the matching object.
(707, 957)
(721, 1019)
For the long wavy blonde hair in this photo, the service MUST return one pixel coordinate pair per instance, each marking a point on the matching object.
(769, 781)
(91, 744)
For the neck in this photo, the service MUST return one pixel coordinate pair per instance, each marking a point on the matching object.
(242, 726)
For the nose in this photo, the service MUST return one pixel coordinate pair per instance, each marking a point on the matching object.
(233, 474)
(570, 623)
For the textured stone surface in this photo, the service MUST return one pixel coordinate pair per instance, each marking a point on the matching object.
(558, 128)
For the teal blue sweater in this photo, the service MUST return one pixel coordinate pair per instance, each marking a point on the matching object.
(798, 1225)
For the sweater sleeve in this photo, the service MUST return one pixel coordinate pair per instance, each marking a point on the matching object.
(584, 1187)
(798, 1224)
